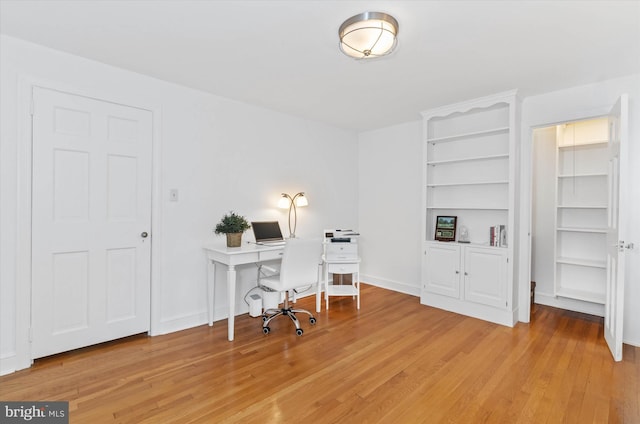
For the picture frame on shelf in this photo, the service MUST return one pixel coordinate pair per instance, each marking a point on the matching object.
(446, 228)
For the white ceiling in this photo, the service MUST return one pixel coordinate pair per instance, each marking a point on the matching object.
(284, 55)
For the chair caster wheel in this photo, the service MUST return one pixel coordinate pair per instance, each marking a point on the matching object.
(266, 330)
(312, 320)
(299, 331)
(264, 318)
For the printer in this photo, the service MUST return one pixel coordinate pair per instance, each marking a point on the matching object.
(340, 245)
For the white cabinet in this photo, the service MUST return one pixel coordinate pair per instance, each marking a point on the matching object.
(470, 276)
(581, 210)
(470, 153)
(485, 275)
(443, 269)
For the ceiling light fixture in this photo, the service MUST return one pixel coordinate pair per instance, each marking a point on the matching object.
(368, 35)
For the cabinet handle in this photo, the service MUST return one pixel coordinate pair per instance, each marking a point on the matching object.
(457, 272)
(466, 273)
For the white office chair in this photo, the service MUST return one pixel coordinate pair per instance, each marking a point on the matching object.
(301, 266)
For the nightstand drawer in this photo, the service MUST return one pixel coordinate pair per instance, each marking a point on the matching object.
(341, 251)
(342, 268)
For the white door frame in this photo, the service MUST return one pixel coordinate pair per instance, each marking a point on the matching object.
(24, 170)
(526, 182)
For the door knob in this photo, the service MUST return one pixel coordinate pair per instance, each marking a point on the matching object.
(144, 234)
(622, 245)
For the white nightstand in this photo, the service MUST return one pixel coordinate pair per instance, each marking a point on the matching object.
(340, 258)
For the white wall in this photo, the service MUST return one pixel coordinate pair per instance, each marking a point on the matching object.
(544, 211)
(218, 153)
(390, 166)
(574, 104)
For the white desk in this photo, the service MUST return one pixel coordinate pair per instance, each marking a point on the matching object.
(232, 256)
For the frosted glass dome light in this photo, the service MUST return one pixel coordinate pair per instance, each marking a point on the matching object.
(368, 35)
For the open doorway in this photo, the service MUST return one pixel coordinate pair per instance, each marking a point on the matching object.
(588, 167)
(569, 215)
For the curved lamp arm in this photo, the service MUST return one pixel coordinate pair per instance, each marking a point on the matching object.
(299, 199)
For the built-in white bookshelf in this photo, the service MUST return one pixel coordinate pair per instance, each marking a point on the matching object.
(469, 173)
(467, 157)
(581, 210)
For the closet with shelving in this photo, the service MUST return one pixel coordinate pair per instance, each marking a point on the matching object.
(571, 235)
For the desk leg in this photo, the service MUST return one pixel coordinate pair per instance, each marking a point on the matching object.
(326, 287)
(211, 281)
(231, 292)
(319, 288)
(358, 286)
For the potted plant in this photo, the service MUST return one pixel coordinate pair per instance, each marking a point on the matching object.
(233, 225)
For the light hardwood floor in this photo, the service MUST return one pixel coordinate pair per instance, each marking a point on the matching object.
(394, 361)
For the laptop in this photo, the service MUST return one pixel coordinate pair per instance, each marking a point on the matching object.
(268, 233)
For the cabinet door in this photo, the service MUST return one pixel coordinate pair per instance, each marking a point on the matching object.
(485, 276)
(443, 269)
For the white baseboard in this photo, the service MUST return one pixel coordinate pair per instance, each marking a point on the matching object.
(171, 325)
(12, 362)
(570, 304)
(635, 343)
(413, 290)
(475, 310)
(8, 364)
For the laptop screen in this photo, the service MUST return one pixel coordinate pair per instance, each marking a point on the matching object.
(266, 231)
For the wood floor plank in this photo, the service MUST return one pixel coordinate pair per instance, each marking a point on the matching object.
(393, 360)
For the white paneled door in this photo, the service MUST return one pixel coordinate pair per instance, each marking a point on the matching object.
(616, 231)
(91, 221)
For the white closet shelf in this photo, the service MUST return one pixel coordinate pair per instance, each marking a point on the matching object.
(588, 296)
(490, 131)
(471, 243)
(595, 143)
(594, 174)
(471, 208)
(469, 159)
(582, 262)
(468, 183)
(581, 207)
(583, 230)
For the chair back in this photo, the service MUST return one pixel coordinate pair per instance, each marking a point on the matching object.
(300, 261)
